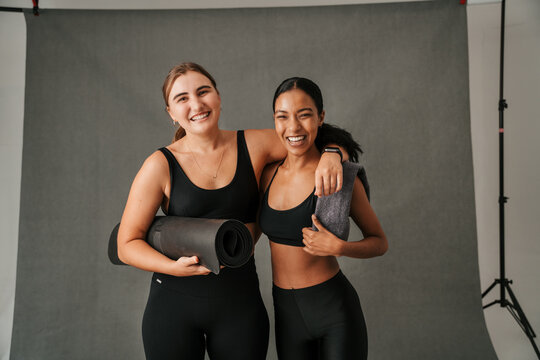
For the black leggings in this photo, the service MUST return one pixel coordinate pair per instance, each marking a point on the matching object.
(179, 322)
(324, 321)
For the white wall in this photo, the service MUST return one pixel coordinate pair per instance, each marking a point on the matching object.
(522, 91)
(12, 74)
(522, 163)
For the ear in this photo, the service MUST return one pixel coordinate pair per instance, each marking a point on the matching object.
(321, 118)
(169, 112)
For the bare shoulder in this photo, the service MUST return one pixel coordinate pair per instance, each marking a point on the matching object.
(267, 174)
(257, 139)
(266, 143)
(156, 161)
(260, 134)
(155, 169)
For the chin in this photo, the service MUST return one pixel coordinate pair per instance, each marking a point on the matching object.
(204, 126)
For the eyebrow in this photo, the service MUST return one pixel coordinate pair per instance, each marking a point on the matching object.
(185, 92)
(302, 109)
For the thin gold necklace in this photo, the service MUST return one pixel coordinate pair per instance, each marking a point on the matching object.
(199, 166)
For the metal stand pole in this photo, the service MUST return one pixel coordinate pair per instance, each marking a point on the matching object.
(512, 305)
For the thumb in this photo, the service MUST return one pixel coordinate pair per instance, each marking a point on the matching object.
(192, 260)
(317, 223)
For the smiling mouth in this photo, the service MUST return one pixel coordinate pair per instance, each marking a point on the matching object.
(200, 116)
(296, 140)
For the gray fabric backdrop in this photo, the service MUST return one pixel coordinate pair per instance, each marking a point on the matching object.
(395, 75)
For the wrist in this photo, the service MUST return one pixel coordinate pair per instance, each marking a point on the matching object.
(174, 269)
(333, 150)
(340, 249)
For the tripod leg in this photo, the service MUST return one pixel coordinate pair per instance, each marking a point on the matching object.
(489, 289)
(491, 303)
(513, 311)
(521, 319)
(519, 310)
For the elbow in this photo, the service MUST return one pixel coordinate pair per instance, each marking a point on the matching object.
(120, 253)
(383, 248)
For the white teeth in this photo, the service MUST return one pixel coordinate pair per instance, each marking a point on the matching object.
(296, 138)
(200, 116)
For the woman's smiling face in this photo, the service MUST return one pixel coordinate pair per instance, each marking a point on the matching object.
(297, 120)
(194, 103)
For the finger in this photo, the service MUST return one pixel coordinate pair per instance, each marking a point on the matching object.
(339, 182)
(307, 232)
(333, 181)
(309, 243)
(323, 185)
(327, 185)
(309, 251)
(189, 261)
(203, 270)
(318, 185)
(317, 223)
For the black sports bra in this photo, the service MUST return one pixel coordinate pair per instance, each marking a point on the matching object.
(238, 200)
(285, 226)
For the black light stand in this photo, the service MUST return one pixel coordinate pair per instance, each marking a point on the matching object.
(35, 8)
(512, 305)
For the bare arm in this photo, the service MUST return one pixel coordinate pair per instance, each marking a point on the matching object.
(267, 147)
(324, 243)
(145, 196)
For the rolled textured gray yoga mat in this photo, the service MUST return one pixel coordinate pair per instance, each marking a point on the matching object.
(333, 210)
(215, 242)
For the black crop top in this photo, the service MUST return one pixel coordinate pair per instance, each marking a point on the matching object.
(238, 200)
(285, 226)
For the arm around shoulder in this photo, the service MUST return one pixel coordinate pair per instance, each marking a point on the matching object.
(266, 143)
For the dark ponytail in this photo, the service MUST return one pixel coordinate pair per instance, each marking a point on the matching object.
(331, 134)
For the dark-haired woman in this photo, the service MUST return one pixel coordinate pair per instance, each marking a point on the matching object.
(317, 311)
(208, 173)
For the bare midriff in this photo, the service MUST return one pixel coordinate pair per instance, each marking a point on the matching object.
(293, 268)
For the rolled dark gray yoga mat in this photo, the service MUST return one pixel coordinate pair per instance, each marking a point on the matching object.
(214, 241)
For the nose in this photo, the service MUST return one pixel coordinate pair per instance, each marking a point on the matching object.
(195, 104)
(293, 124)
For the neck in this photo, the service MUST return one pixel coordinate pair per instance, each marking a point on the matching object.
(298, 162)
(204, 143)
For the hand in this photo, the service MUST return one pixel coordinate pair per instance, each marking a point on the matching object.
(322, 242)
(328, 175)
(189, 266)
